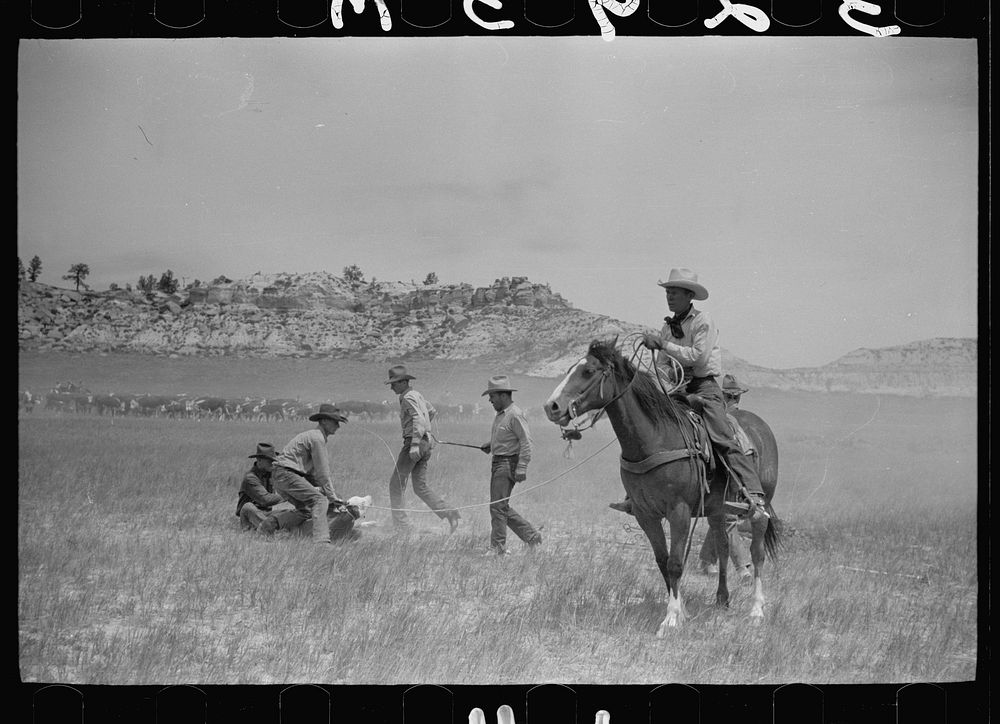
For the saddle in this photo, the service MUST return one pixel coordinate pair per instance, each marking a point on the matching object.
(733, 500)
(746, 444)
(701, 449)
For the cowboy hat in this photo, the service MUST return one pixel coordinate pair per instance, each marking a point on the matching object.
(685, 279)
(398, 374)
(729, 384)
(264, 450)
(329, 412)
(498, 383)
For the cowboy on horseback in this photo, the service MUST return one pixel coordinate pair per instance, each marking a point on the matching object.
(691, 339)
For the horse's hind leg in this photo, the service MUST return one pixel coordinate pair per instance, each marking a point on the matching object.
(717, 528)
(669, 569)
(759, 528)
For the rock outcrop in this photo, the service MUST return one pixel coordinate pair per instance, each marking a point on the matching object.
(523, 326)
(943, 366)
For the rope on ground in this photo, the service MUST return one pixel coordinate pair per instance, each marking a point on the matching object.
(884, 573)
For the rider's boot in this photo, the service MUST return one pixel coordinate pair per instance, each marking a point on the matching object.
(758, 506)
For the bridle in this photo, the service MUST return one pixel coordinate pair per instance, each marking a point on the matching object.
(606, 371)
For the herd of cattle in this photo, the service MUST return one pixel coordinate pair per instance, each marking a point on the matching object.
(73, 397)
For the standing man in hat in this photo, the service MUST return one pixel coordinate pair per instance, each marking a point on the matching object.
(257, 496)
(510, 444)
(302, 473)
(691, 338)
(415, 416)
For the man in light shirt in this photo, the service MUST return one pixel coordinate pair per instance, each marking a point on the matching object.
(691, 338)
(415, 416)
(510, 445)
(301, 473)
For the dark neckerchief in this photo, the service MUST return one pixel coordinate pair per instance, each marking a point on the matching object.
(675, 322)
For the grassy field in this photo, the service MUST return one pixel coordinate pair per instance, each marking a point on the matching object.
(132, 569)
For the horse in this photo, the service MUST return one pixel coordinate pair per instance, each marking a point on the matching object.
(665, 466)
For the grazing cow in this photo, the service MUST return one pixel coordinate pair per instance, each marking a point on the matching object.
(213, 407)
(286, 402)
(84, 401)
(109, 403)
(364, 410)
(292, 409)
(128, 403)
(270, 411)
(151, 405)
(300, 411)
(248, 409)
(232, 408)
(177, 408)
(65, 401)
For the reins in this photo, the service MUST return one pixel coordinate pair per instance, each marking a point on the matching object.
(574, 433)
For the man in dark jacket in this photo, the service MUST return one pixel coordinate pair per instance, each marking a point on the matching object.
(257, 495)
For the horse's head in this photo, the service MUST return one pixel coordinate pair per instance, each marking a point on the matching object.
(589, 385)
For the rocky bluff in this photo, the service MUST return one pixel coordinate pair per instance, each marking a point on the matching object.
(521, 326)
(527, 325)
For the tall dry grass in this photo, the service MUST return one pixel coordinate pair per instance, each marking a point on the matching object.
(132, 569)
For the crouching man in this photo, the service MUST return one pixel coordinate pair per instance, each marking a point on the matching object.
(257, 496)
(302, 477)
(341, 518)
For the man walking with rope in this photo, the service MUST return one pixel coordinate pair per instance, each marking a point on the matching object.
(691, 338)
(510, 445)
(415, 416)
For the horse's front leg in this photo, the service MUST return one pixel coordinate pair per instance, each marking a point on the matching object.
(680, 526)
(759, 529)
(653, 528)
(717, 528)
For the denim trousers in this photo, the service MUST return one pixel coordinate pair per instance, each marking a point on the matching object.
(251, 516)
(502, 516)
(309, 500)
(721, 432)
(341, 525)
(417, 471)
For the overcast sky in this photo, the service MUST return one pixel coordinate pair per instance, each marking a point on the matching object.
(824, 189)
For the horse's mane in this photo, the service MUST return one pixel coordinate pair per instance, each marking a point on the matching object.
(648, 395)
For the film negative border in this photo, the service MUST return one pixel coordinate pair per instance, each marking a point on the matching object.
(899, 703)
(427, 18)
(929, 703)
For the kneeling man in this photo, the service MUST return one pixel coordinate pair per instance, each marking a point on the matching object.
(257, 496)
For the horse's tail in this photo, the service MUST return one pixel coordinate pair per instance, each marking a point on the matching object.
(772, 535)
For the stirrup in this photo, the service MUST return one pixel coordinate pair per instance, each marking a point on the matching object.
(736, 506)
(758, 504)
(747, 509)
